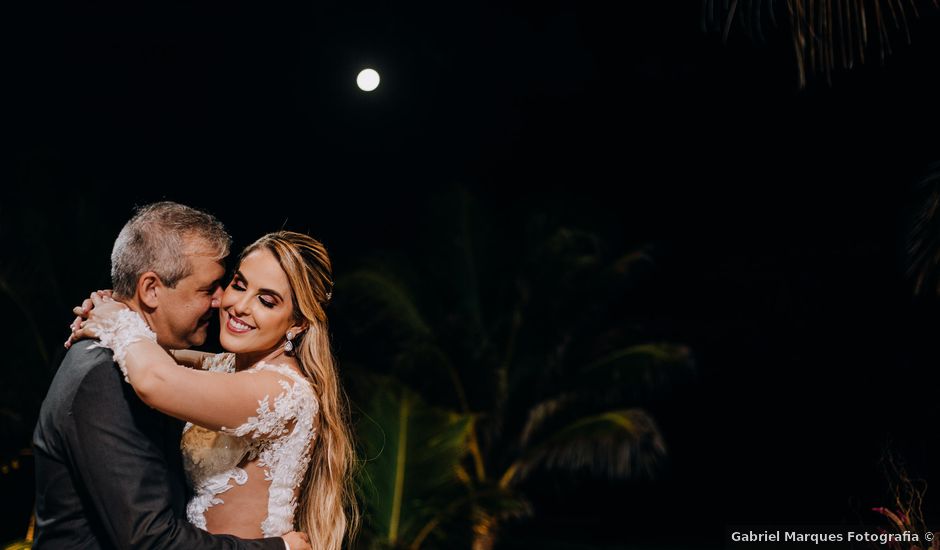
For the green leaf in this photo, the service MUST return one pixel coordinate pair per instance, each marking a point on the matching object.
(413, 452)
(462, 520)
(618, 443)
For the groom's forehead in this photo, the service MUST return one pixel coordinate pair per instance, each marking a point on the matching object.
(198, 246)
(205, 269)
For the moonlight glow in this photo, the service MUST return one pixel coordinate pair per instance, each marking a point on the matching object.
(367, 80)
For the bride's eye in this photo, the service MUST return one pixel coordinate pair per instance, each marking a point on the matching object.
(237, 286)
(266, 303)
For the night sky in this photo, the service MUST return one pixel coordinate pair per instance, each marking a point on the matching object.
(780, 213)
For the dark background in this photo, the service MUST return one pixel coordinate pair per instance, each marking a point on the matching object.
(781, 212)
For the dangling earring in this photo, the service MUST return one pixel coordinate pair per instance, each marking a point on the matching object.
(289, 346)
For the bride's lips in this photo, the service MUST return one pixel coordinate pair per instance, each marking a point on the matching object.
(237, 326)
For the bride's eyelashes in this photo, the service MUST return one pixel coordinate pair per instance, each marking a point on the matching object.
(235, 285)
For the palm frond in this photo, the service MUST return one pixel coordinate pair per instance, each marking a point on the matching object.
(631, 375)
(480, 510)
(413, 452)
(826, 34)
(751, 15)
(638, 371)
(540, 413)
(619, 443)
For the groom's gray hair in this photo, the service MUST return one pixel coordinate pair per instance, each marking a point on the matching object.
(159, 238)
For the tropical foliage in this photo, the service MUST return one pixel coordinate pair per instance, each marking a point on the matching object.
(825, 34)
(504, 346)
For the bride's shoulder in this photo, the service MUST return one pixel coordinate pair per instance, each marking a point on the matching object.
(284, 369)
(290, 374)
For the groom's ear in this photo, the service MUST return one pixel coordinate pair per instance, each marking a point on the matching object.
(148, 286)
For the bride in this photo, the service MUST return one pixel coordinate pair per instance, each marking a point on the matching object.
(267, 444)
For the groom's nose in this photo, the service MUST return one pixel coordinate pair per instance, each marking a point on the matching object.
(217, 297)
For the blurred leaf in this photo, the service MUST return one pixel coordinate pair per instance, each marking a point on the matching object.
(636, 372)
(413, 453)
(459, 523)
(617, 444)
(826, 35)
(525, 320)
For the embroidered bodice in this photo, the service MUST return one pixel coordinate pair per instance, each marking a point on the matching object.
(279, 438)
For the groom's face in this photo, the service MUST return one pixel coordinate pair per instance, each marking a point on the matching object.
(187, 308)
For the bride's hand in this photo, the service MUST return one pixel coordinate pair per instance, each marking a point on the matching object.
(297, 541)
(83, 313)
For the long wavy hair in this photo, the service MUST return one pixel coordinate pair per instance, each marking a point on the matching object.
(327, 509)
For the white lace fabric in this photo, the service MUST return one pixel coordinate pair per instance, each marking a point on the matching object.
(117, 332)
(280, 438)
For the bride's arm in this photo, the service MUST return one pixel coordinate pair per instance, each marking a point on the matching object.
(190, 358)
(214, 400)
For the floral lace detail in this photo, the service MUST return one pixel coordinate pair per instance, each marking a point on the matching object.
(211, 458)
(279, 437)
(118, 332)
(206, 493)
(220, 362)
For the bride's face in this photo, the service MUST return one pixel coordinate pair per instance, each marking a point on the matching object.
(256, 310)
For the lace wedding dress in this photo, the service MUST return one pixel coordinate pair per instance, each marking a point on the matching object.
(280, 437)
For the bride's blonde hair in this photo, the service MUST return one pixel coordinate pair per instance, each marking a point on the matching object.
(327, 509)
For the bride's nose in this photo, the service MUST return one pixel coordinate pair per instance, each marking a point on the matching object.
(242, 306)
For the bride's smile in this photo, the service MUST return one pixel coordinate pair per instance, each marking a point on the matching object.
(237, 326)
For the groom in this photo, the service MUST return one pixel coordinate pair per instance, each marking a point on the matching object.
(108, 467)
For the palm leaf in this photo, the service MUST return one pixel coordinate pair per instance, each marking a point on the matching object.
(619, 443)
(825, 34)
(637, 372)
(413, 454)
(631, 375)
(462, 520)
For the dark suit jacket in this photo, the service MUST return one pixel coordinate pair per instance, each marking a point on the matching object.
(108, 467)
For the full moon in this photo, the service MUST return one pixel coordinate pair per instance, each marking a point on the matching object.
(367, 80)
